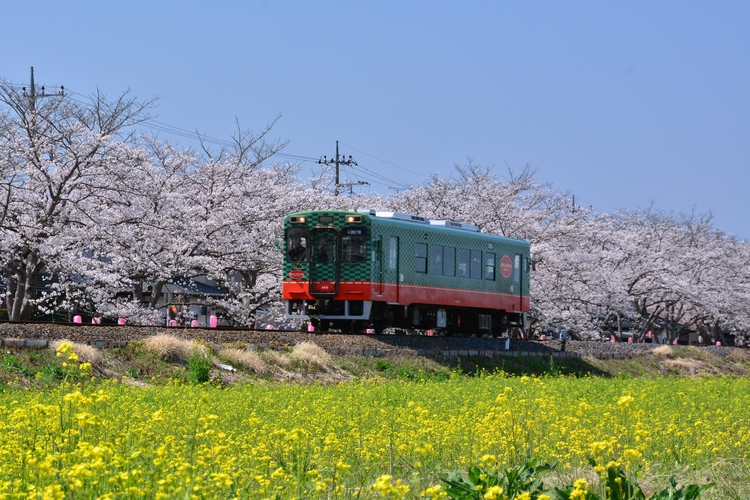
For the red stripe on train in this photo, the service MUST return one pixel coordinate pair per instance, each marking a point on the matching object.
(412, 294)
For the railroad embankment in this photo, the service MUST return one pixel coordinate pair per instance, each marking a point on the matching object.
(103, 336)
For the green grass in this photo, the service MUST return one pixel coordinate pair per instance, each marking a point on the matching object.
(40, 367)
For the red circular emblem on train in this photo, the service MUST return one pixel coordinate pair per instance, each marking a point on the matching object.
(506, 266)
(296, 274)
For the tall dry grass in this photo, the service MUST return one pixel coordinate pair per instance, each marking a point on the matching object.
(248, 359)
(313, 354)
(663, 350)
(171, 348)
(85, 352)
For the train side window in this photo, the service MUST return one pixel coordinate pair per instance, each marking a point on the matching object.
(476, 265)
(464, 257)
(517, 268)
(489, 266)
(449, 261)
(420, 261)
(436, 259)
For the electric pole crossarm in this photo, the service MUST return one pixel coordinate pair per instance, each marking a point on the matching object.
(336, 162)
(33, 96)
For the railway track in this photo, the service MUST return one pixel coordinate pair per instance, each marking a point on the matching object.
(39, 334)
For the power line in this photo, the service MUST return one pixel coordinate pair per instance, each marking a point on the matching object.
(384, 161)
(376, 178)
(337, 160)
(188, 134)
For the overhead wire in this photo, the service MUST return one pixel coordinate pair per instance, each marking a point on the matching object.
(384, 161)
(195, 135)
(371, 180)
(356, 171)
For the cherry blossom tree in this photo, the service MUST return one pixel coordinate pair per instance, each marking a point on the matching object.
(57, 156)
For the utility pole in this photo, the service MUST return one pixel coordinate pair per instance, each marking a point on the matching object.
(33, 96)
(335, 161)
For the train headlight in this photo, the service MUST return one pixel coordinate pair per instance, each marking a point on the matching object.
(299, 220)
(350, 219)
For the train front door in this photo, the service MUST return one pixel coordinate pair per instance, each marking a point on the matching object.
(324, 259)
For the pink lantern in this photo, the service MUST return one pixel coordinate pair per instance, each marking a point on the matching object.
(77, 319)
(630, 340)
(172, 322)
(370, 330)
(122, 321)
(543, 337)
(194, 323)
(718, 343)
(612, 338)
(269, 326)
(310, 327)
(674, 342)
(96, 320)
(213, 321)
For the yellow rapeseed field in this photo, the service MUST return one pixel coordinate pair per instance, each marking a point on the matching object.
(363, 440)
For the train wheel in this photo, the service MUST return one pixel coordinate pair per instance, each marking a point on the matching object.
(378, 325)
(358, 327)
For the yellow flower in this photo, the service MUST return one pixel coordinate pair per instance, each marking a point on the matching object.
(624, 402)
(494, 493)
(581, 484)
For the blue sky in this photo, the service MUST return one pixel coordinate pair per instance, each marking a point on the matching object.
(618, 103)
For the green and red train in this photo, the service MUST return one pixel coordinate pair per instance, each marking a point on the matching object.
(358, 271)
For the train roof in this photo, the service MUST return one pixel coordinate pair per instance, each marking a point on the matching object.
(399, 218)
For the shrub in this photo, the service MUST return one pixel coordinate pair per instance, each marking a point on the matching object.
(199, 367)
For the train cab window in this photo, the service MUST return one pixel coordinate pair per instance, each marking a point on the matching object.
(476, 265)
(353, 244)
(420, 260)
(489, 266)
(297, 239)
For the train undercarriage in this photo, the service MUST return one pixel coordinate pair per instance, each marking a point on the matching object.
(352, 316)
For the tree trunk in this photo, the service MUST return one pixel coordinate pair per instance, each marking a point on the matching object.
(156, 293)
(22, 286)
